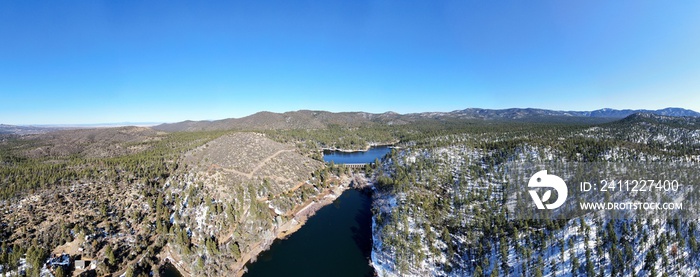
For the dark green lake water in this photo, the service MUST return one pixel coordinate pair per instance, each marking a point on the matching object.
(168, 270)
(336, 242)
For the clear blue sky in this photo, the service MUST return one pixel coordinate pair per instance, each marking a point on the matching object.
(115, 61)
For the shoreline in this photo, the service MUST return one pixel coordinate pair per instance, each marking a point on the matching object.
(283, 231)
(365, 149)
(298, 220)
(290, 227)
(383, 266)
(170, 257)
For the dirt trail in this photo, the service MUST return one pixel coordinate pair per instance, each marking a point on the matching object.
(250, 174)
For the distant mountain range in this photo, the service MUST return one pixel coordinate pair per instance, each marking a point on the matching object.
(624, 113)
(45, 128)
(23, 130)
(100, 125)
(602, 113)
(306, 119)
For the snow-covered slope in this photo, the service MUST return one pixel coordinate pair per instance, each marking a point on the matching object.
(439, 209)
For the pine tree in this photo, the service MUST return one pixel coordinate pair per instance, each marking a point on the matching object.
(129, 272)
(494, 272)
(478, 272)
(200, 263)
(109, 253)
(538, 272)
(574, 266)
(59, 272)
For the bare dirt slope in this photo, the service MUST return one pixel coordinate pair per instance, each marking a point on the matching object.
(251, 158)
(240, 192)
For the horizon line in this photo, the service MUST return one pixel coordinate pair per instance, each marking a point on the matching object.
(154, 123)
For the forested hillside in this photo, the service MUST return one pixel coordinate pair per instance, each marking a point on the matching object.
(441, 208)
(129, 199)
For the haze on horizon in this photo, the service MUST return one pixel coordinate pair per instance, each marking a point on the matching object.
(105, 61)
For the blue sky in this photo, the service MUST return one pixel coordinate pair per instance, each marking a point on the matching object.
(70, 62)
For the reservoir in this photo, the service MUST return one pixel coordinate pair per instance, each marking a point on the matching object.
(337, 241)
(359, 157)
(168, 270)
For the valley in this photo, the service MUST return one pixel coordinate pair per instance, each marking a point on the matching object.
(349, 138)
(210, 200)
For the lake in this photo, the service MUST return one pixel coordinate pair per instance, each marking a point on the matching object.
(169, 270)
(359, 157)
(337, 241)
